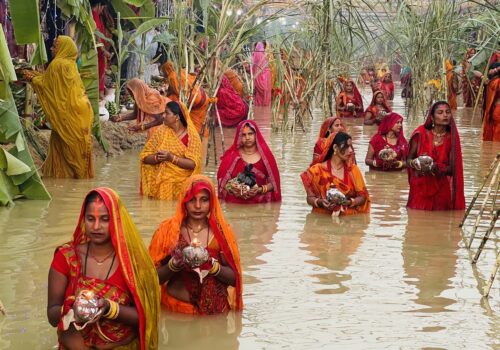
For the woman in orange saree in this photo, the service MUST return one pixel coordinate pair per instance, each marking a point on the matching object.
(336, 171)
(491, 112)
(106, 258)
(196, 95)
(330, 125)
(377, 109)
(62, 95)
(214, 284)
(236, 81)
(148, 109)
(349, 102)
(442, 186)
(171, 155)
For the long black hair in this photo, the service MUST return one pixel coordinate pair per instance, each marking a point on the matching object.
(176, 108)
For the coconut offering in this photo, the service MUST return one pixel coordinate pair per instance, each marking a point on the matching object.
(333, 195)
(85, 306)
(194, 254)
(425, 163)
(387, 154)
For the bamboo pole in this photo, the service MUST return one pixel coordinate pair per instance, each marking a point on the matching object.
(478, 192)
(489, 284)
(486, 237)
(483, 205)
(2, 308)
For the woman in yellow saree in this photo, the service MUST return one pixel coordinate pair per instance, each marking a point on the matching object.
(106, 262)
(62, 95)
(171, 155)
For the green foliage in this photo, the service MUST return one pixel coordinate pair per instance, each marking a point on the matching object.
(18, 175)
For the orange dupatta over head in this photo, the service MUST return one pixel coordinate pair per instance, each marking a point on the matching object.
(167, 235)
(135, 263)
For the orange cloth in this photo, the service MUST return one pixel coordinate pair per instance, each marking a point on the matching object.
(167, 236)
(318, 178)
(201, 102)
(164, 180)
(452, 89)
(491, 116)
(235, 81)
(62, 95)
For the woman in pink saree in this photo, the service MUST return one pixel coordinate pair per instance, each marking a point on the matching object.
(262, 76)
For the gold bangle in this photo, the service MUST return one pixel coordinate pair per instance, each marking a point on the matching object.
(113, 310)
(175, 160)
(215, 268)
(172, 267)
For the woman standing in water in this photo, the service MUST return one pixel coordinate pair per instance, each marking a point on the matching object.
(262, 76)
(171, 155)
(377, 109)
(390, 136)
(349, 102)
(335, 170)
(63, 99)
(108, 260)
(213, 285)
(440, 186)
(249, 150)
(330, 125)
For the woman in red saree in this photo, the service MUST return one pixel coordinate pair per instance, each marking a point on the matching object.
(390, 135)
(262, 76)
(249, 147)
(377, 109)
(148, 110)
(336, 170)
(330, 125)
(387, 86)
(231, 106)
(491, 112)
(107, 257)
(349, 102)
(211, 287)
(441, 188)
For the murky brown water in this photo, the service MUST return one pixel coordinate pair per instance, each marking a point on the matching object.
(389, 279)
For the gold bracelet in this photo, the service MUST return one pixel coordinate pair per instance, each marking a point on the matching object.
(215, 268)
(172, 267)
(175, 160)
(113, 310)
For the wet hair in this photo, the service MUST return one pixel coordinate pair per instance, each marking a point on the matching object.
(434, 109)
(175, 107)
(92, 197)
(341, 140)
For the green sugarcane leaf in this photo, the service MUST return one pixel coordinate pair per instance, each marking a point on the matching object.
(25, 19)
(6, 65)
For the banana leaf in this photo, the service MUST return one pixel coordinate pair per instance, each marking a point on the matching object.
(18, 175)
(26, 22)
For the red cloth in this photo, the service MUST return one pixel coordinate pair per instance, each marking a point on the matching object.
(379, 141)
(343, 99)
(387, 88)
(232, 109)
(232, 159)
(491, 113)
(60, 263)
(437, 192)
(374, 109)
(101, 60)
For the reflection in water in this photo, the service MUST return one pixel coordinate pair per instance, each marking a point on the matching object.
(198, 333)
(430, 255)
(308, 282)
(333, 243)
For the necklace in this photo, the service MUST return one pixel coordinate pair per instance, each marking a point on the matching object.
(193, 230)
(86, 258)
(101, 261)
(439, 134)
(249, 154)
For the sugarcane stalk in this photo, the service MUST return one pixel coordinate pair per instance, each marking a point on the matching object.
(478, 192)
(487, 288)
(221, 130)
(483, 205)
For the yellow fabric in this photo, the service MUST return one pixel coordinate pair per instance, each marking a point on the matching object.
(137, 266)
(164, 180)
(62, 96)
